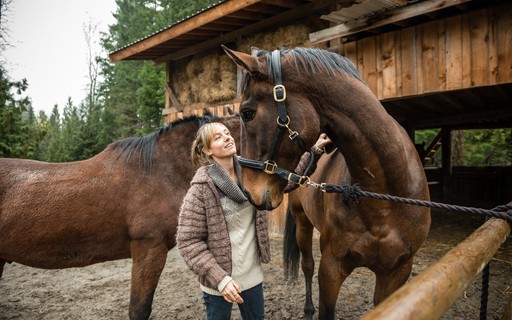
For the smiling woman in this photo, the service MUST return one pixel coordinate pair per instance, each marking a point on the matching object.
(215, 143)
(221, 236)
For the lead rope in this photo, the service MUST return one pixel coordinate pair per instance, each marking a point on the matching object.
(350, 194)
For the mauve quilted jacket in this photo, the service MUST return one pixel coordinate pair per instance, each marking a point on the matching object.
(202, 236)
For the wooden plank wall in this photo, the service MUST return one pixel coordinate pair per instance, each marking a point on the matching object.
(219, 110)
(474, 49)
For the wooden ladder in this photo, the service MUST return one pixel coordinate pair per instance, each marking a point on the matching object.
(432, 149)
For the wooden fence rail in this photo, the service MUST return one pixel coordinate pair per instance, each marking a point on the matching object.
(430, 294)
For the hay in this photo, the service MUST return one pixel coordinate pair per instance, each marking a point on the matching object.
(296, 35)
(204, 78)
(210, 77)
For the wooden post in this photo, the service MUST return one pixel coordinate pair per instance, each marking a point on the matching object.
(446, 147)
(432, 292)
(507, 313)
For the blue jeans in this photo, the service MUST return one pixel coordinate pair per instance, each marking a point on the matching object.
(253, 307)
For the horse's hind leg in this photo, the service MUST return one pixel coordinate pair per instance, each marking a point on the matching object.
(389, 282)
(148, 263)
(305, 242)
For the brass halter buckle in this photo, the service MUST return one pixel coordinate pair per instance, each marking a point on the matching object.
(304, 181)
(270, 166)
(276, 93)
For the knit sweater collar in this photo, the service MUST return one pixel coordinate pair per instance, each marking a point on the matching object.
(224, 182)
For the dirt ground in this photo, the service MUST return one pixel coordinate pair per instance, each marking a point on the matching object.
(101, 291)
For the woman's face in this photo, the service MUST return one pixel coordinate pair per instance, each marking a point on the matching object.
(222, 144)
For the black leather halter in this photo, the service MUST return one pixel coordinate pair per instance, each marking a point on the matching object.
(283, 121)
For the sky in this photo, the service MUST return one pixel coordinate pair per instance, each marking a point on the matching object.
(49, 48)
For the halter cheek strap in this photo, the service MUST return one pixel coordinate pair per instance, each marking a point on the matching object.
(283, 121)
(279, 93)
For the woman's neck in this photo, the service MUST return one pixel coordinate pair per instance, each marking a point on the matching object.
(228, 165)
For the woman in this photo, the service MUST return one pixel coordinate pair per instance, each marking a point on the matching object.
(221, 236)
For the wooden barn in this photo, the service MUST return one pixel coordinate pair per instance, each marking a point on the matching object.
(443, 64)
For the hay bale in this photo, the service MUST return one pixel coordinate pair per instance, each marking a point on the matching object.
(295, 35)
(210, 77)
(204, 78)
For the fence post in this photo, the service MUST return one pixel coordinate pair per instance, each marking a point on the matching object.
(507, 313)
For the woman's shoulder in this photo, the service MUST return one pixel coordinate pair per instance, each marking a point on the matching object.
(201, 175)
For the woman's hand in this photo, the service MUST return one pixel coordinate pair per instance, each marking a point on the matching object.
(322, 142)
(231, 292)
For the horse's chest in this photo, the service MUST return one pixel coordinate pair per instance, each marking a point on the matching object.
(382, 248)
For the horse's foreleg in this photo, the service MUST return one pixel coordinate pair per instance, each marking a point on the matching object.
(305, 242)
(331, 275)
(389, 282)
(2, 264)
(148, 263)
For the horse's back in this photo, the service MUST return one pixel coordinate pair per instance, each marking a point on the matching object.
(68, 212)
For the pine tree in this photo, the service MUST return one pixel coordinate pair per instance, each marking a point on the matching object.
(51, 146)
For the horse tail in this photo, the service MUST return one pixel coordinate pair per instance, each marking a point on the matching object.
(291, 252)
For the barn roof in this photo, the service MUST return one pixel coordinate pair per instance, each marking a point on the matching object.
(218, 24)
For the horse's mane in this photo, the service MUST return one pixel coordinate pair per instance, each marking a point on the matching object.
(308, 61)
(144, 147)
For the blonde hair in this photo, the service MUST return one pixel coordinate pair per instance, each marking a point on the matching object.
(204, 137)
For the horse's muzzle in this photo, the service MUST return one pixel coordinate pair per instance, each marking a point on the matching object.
(268, 202)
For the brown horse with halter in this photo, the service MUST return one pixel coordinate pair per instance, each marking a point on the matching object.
(310, 91)
(122, 203)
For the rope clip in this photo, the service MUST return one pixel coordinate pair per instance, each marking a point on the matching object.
(320, 186)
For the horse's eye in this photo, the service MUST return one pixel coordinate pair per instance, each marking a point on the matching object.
(247, 115)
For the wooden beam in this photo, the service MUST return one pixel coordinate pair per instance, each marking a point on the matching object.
(190, 24)
(296, 13)
(372, 22)
(446, 161)
(462, 119)
(507, 313)
(431, 293)
(174, 101)
(282, 3)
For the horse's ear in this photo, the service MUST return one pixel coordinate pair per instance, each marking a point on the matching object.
(207, 112)
(244, 60)
(254, 51)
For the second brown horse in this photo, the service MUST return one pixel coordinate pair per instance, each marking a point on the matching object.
(122, 203)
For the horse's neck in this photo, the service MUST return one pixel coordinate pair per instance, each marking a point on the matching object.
(374, 146)
(178, 140)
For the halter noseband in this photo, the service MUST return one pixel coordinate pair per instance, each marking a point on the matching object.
(270, 165)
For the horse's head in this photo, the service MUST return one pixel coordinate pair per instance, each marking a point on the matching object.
(273, 110)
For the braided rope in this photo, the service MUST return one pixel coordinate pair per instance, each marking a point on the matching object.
(350, 195)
